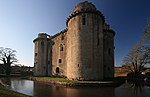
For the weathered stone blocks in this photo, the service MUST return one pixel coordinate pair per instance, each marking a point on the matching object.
(83, 51)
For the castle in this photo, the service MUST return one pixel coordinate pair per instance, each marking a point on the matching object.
(82, 51)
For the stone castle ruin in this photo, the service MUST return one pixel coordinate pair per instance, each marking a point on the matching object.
(82, 51)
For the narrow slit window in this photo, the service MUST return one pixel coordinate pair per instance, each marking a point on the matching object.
(97, 40)
(42, 46)
(62, 37)
(109, 51)
(83, 20)
(61, 48)
(42, 43)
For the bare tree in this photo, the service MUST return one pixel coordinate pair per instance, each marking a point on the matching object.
(139, 55)
(8, 57)
(137, 58)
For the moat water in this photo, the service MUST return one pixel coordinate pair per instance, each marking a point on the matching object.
(42, 90)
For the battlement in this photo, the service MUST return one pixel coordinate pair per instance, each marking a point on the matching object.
(84, 7)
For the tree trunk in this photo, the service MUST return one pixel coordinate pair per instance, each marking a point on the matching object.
(8, 69)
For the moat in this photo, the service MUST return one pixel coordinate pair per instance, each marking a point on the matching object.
(42, 90)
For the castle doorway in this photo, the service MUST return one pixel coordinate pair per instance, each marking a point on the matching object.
(57, 70)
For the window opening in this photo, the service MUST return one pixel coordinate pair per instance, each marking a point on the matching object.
(57, 70)
(61, 47)
(60, 61)
(83, 20)
(109, 51)
(97, 40)
(35, 54)
(42, 43)
(42, 46)
(62, 37)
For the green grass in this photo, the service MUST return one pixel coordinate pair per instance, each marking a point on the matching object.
(4, 92)
(55, 79)
(71, 81)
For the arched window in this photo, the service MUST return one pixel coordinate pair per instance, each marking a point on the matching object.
(61, 47)
(57, 70)
(83, 20)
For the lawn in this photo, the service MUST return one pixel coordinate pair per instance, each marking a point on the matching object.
(71, 81)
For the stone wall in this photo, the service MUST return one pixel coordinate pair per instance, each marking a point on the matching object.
(59, 55)
(108, 54)
(83, 51)
(40, 55)
(85, 47)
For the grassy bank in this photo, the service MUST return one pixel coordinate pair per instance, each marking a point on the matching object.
(4, 92)
(66, 82)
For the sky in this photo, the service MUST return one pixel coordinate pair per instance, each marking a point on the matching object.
(22, 20)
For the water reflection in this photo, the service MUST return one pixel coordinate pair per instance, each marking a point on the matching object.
(21, 85)
(41, 90)
(129, 89)
(137, 87)
(90, 92)
(133, 89)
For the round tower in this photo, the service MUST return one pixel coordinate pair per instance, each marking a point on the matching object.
(41, 55)
(85, 43)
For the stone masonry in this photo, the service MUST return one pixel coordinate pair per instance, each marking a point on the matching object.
(82, 51)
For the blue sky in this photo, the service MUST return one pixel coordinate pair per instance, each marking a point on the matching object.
(22, 20)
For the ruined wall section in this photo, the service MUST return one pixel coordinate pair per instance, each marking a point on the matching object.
(59, 54)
